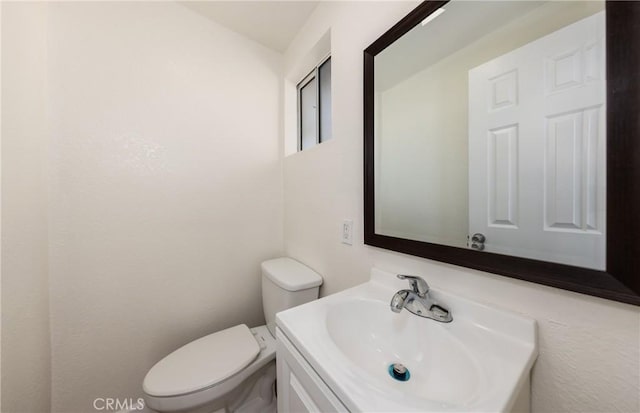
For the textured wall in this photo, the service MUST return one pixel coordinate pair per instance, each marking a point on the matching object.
(25, 360)
(166, 188)
(589, 348)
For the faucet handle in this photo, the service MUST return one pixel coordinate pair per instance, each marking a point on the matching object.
(418, 284)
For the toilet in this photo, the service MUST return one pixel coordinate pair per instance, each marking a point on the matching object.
(233, 370)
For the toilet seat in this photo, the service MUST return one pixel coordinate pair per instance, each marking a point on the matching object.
(202, 363)
(183, 402)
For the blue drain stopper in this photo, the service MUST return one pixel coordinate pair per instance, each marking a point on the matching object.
(399, 372)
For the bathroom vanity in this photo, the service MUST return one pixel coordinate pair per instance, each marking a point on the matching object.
(341, 353)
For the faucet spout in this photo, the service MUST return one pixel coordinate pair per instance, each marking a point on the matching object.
(398, 301)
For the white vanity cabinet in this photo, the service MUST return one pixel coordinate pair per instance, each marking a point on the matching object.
(300, 389)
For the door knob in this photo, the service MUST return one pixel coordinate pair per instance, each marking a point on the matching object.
(477, 241)
(478, 237)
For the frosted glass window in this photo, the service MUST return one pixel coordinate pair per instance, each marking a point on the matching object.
(324, 75)
(308, 121)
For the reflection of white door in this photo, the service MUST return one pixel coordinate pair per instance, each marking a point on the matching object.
(537, 148)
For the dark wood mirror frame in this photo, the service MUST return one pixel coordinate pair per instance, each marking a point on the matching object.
(621, 280)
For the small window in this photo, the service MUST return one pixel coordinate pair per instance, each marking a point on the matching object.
(314, 106)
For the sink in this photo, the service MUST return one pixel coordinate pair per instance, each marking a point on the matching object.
(434, 357)
(478, 362)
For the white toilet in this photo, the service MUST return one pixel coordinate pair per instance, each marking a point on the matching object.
(232, 370)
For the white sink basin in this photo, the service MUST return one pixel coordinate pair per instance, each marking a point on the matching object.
(373, 337)
(478, 362)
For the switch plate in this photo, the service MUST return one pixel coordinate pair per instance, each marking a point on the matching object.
(347, 232)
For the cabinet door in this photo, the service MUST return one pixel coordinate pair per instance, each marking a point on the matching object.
(296, 399)
(300, 389)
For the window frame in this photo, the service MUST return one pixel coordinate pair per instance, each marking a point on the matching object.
(314, 74)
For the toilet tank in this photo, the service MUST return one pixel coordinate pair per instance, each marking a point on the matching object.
(286, 283)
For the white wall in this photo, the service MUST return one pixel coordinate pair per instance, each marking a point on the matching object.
(166, 188)
(26, 364)
(589, 347)
(422, 159)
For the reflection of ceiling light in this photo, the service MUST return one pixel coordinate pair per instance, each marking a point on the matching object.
(432, 16)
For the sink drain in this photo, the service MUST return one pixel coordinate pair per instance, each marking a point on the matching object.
(399, 372)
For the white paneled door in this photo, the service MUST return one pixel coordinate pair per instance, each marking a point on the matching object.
(537, 148)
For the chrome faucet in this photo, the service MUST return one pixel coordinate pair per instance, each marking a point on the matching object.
(418, 301)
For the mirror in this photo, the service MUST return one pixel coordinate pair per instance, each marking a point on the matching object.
(488, 140)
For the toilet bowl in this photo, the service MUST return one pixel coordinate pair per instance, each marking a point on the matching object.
(232, 370)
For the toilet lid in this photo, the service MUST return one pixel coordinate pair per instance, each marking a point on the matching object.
(202, 363)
